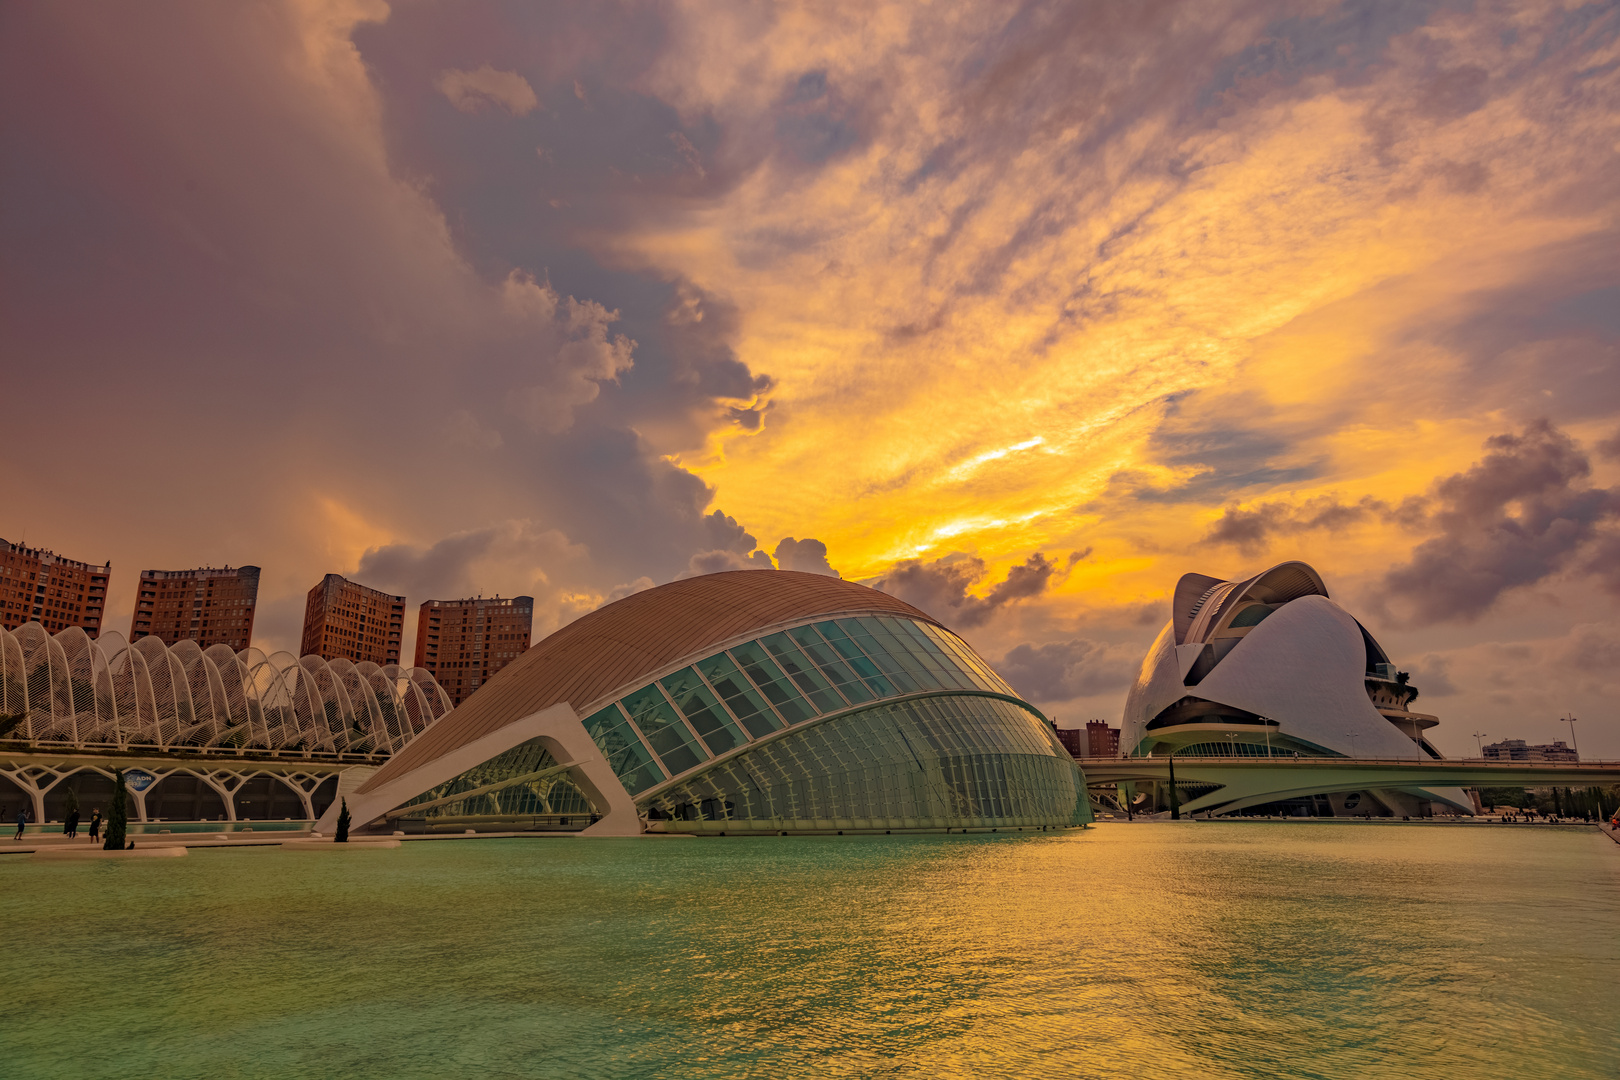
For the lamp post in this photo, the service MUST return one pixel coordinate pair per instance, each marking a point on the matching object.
(1478, 748)
(1232, 738)
(1353, 737)
(1571, 721)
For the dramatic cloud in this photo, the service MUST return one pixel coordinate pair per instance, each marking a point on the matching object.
(807, 555)
(1514, 518)
(471, 91)
(1065, 670)
(1252, 529)
(1173, 283)
(941, 587)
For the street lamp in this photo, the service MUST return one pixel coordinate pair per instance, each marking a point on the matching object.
(1353, 738)
(1478, 735)
(1232, 737)
(1570, 720)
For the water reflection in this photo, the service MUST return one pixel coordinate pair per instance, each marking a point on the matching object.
(1221, 950)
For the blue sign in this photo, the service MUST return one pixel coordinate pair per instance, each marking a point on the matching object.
(138, 779)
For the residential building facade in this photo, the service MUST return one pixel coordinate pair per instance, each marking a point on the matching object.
(1519, 750)
(208, 605)
(344, 619)
(41, 586)
(464, 642)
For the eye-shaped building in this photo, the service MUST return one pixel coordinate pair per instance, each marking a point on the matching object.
(752, 701)
(1270, 666)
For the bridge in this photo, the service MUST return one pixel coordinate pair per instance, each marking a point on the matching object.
(1244, 781)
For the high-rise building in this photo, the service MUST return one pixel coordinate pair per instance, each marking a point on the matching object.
(464, 642)
(208, 605)
(345, 619)
(42, 586)
(1101, 740)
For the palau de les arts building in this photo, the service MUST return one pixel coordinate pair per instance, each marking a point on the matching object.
(1270, 666)
(747, 702)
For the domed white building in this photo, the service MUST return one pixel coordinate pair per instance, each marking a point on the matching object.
(1270, 666)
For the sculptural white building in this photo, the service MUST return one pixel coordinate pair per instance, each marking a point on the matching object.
(1271, 666)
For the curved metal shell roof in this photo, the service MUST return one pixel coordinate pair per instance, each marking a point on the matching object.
(630, 639)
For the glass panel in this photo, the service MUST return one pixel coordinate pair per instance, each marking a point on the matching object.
(803, 673)
(862, 636)
(945, 667)
(927, 763)
(743, 700)
(665, 733)
(856, 659)
(825, 658)
(898, 645)
(772, 683)
(625, 754)
(700, 708)
(969, 660)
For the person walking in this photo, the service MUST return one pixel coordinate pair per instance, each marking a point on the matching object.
(70, 824)
(22, 823)
(95, 825)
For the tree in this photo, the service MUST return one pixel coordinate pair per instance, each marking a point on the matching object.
(343, 824)
(117, 814)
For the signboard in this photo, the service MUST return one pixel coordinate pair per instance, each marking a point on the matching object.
(138, 779)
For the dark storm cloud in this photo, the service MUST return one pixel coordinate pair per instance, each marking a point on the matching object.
(941, 587)
(1517, 516)
(281, 309)
(1064, 670)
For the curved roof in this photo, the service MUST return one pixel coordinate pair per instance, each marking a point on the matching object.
(629, 639)
(1219, 599)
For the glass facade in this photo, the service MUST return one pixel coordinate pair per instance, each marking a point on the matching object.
(522, 789)
(758, 688)
(921, 763)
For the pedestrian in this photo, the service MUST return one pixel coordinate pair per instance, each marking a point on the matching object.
(95, 825)
(70, 824)
(22, 823)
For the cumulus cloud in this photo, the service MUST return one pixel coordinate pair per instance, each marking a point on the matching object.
(730, 547)
(1517, 516)
(807, 555)
(941, 587)
(510, 558)
(1432, 676)
(1064, 670)
(575, 353)
(472, 91)
(1251, 529)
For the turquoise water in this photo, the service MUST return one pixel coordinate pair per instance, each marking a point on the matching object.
(1208, 949)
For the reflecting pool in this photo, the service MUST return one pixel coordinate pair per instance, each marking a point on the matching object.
(1250, 949)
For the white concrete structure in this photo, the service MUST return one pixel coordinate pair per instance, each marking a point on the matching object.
(67, 690)
(1271, 666)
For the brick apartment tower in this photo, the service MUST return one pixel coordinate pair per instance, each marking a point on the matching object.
(1101, 740)
(342, 618)
(464, 642)
(42, 586)
(210, 606)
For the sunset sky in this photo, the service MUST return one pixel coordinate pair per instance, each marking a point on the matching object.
(1018, 311)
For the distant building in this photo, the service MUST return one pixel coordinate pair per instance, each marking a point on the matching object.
(1518, 750)
(345, 619)
(464, 642)
(42, 586)
(208, 605)
(1073, 740)
(1101, 740)
(1269, 665)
